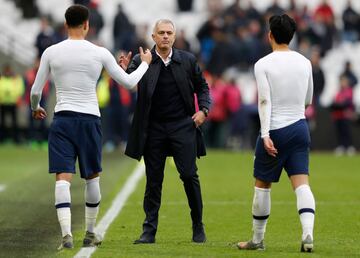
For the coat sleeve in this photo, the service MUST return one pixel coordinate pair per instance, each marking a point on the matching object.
(201, 87)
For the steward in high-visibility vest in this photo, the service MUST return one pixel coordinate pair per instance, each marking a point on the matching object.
(11, 89)
(103, 90)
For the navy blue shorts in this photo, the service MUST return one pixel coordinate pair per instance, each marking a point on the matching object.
(75, 135)
(293, 144)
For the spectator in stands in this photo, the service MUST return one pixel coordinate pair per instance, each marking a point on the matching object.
(206, 35)
(123, 31)
(349, 74)
(324, 12)
(45, 38)
(306, 33)
(29, 8)
(304, 14)
(275, 8)
(181, 42)
(216, 127)
(141, 38)
(82, 2)
(96, 21)
(342, 112)
(351, 21)
(11, 91)
(252, 13)
(59, 32)
(235, 10)
(185, 5)
(226, 52)
(324, 26)
(233, 105)
(318, 76)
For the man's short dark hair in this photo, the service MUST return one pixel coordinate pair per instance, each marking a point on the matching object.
(76, 15)
(282, 28)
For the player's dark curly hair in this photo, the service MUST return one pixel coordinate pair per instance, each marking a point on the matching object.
(282, 27)
(76, 15)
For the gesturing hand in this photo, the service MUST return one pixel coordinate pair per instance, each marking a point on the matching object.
(39, 114)
(124, 60)
(145, 55)
(269, 146)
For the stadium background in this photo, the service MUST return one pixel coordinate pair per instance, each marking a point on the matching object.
(28, 226)
(226, 39)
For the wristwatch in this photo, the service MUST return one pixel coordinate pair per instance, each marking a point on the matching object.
(205, 111)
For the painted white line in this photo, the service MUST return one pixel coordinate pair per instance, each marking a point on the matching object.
(2, 188)
(232, 203)
(115, 208)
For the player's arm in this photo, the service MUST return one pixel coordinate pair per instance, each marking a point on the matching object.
(38, 86)
(129, 81)
(310, 90)
(264, 107)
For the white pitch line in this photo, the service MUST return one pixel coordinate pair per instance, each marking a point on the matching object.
(115, 208)
(2, 188)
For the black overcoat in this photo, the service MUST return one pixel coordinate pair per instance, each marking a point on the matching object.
(189, 79)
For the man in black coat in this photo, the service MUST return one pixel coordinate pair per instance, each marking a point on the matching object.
(166, 123)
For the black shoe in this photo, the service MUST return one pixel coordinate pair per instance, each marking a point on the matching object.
(145, 239)
(199, 233)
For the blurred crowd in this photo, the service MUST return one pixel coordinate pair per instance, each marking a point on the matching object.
(232, 38)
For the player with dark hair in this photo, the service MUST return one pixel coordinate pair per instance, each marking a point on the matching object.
(75, 65)
(285, 88)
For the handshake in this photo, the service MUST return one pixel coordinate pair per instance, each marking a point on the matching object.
(125, 60)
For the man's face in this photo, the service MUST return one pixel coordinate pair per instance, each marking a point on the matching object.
(164, 36)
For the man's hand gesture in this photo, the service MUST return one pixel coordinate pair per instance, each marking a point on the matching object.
(145, 55)
(124, 60)
(269, 146)
(39, 114)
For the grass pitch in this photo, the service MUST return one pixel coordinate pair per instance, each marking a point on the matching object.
(28, 225)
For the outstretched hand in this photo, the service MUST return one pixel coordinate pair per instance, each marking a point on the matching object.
(39, 114)
(269, 146)
(145, 55)
(124, 60)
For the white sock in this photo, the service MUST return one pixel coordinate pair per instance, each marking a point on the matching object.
(306, 208)
(261, 211)
(92, 199)
(62, 205)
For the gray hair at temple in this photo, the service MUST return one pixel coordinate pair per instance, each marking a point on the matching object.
(163, 21)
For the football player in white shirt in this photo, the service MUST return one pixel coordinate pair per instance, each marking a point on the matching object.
(285, 88)
(75, 65)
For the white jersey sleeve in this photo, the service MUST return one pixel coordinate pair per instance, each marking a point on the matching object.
(309, 93)
(39, 83)
(129, 81)
(264, 99)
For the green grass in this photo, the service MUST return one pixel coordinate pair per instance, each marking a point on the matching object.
(28, 223)
(28, 226)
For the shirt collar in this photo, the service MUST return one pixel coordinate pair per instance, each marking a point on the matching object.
(167, 61)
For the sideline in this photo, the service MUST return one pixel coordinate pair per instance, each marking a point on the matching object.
(115, 208)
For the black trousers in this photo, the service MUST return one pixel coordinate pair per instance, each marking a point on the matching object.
(177, 138)
(343, 132)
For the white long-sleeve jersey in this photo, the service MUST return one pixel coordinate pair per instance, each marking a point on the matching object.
(75, 66)
(285, 87)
